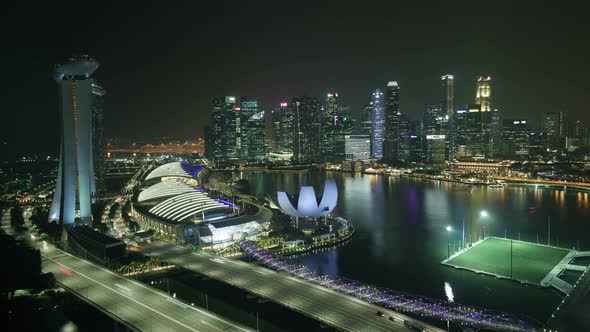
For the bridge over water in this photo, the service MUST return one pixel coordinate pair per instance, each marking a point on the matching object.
(559, 185)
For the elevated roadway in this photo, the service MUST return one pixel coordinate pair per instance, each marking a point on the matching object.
(343, 312)
(135, 305)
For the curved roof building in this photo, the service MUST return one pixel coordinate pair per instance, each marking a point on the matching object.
(176, 200)
(175, 169)
(167, 188)
(307, 202)
(173, 203)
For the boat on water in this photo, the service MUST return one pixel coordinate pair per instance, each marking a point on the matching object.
(495, 186)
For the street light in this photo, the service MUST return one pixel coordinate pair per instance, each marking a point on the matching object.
(484, 214)
(449, 229)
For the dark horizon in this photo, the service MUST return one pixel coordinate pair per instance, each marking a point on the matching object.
(161, 65)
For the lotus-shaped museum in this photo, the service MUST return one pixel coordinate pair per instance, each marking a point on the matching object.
(307, 202)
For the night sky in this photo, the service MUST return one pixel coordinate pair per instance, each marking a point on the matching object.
(162, 64)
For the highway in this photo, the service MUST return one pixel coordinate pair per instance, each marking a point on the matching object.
(343, 312)
(136, 305)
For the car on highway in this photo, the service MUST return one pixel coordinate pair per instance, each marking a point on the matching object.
(380, 314)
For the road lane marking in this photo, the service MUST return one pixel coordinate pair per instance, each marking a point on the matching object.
(124, 288)
(130, 298)
(145, 287)
(126, 296)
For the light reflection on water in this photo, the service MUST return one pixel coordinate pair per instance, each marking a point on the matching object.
(401, 238)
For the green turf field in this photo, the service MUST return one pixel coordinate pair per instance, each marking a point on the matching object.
(530, 262)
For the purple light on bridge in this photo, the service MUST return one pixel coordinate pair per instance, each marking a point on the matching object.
(227, 203)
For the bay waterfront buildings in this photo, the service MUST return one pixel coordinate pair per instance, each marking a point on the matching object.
(308, 129)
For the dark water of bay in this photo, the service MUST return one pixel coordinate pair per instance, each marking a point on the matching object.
(401, 233)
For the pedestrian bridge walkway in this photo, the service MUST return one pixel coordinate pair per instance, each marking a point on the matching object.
(398, 301)
(552, 278)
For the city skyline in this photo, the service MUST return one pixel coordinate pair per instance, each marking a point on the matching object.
(148, 77)
(254, 166)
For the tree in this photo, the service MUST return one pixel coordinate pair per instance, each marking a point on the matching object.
(16, 217)
(40, 218)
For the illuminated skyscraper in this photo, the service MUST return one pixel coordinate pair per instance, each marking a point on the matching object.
(474, 135)
(434, 120)
(75, 179)
(460, 132)
(98, 154)
(448, 109)
(357, 147)
(378, 128)
(283, 128)
(329, 126)
(391, 143)
(308, 130)
(224, 126)
(555, 125)
(365, 127)
(253, 131)
(483, 95)
(516, 138)
(448, 102)
(483, 98)
(495, 133)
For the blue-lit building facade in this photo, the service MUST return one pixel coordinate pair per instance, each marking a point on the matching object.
(75, 179)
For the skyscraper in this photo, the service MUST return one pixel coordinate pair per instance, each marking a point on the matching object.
(329, 126)
(483, 95)
(357, 147)
(553, 129)
(256, 139)
(416, 139)
(436, 128)
(495, 133)
(516, 138)
(460, 132)
(343, 125)
(71, 200)
(248, 127)
(308, 130)
(378, 119)
(224, 129)
(433, 119)
(283, 128)
(448, 92)
(365, 127)
(435, 149)
(483, 98)
(474, 134)
(98, 154)
(391, 144)
(404, 138)
(448, 109)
